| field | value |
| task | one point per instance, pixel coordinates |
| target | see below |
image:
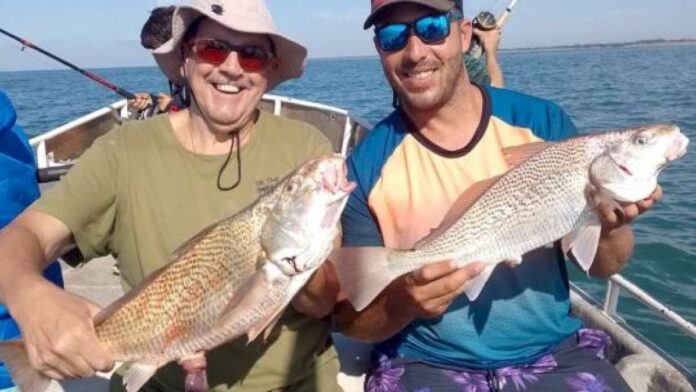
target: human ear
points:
(465, 34)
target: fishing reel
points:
(483, 21)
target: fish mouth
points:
(678, 147)
(334, 178)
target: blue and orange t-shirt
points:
(406, 184)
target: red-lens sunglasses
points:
(213, 51)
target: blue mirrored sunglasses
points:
(430, 29)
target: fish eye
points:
(291, 187)
(643, 138)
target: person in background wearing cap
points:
(147, 186)
(155, 32)
(445, 135)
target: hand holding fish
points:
(428, 291)
(616, 240)
(613, 215)
(59, 335)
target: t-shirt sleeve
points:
(85, 198)
(565, 124)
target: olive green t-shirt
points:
(138, 194)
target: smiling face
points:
(425, 76)
(226, 95)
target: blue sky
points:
(106, 33)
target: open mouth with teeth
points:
(421, 74)
(227, 88)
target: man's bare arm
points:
(56, 326)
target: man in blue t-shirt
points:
(18, 189)
(446, 135)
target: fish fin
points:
(245, 297)
(138, 374)
(266, 325)
(474, 286)
(14, 355)
(582, 244)
(517, 155)
(363, 272)
(459, 208)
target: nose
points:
(415, 49)
(231, 65)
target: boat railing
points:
(43, 160)
(611, 301)
(280, 101)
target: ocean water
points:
(600, 88)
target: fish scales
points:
(530, 206)
(186, 298)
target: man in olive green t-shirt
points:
(146, 187)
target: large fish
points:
(543, 198)
(235, 277)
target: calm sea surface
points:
(600, 89)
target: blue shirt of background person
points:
(18, 189)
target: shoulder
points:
(290, 130)
(381, 140)
(133, 133)
(543, 117)
(366, 160)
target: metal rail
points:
(611, 300)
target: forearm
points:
(318, 297)
(494, 70)
(27, 246)
(378, 322)
(21, 261)
(613, 251)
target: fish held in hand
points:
(234, 278)
(541, 199)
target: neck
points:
(453, 125)
(199, 136)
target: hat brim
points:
(169, 56)
(440, 5)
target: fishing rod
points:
(486, 21)
(91, 75)
(503, 18)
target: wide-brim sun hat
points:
(377, 6)
(247, 16)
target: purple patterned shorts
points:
(578, 364)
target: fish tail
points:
(14, 355)
(363, 273)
